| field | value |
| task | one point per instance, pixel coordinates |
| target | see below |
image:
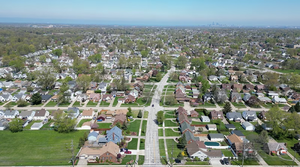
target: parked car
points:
(222, 162)
(127, 152)
(226, 161)
(152, 105)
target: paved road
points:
(152, 155)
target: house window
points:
(107, 153)
(110, 157)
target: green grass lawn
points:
(267, 105)
(207, 105)
(246, 162)
(174, 105)
(64, 105)
(290, 143)
(135, 113)
(170, 123)
(172, 145)
(134, 126)
(287, 71)
(238, 105)
(160, 132)
(144, 128)
(11, 104)
(104, 125)
(227, 153)
(51, 104)
(37, 148)
(47, 125)
(162, 152)
(83, 121)
(146, 113)
(199, 123)
(141, 159)
(38, 105)
(142, 144)
(132, 144)
(275, 160)
(170, 114)
(116, 101)
(91, 104)
(104, 104)
(197, 163)
(127, 158)
(129, 105)
(170, 132)
(76, 104)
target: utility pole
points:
(243, 153)
(71, 149)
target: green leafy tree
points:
(182, 142)
(22, 103)
(83, 81)
(140, 115)
(95, 58)
(158, 77)
(227, 108)
(63, 123)
(264, 136)
(144, 53)
(181, 62)
(118, 124)
(124, 126)
(292, 109)
(8, 77)
(297, 107)
(57, 52)
(36, 99)
(62, 93)
(16, 125)
(179, 157)
(46, 78)
(129, 113)
(160, 117)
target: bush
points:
(97, 91)
(22, 103)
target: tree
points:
(253, 101)
(118, 124)
(62, 93)
(8, 77)
(95, 58)
(182, 142)
(198, 63)
(46, 78)
(43, 58)
(160, 117)
(294, 80)
(271, 78)
(63, 123)
(22, 103)
(57, 52)
(158, 77)
(181, 62)
(140, 115)
(170, 100)
(297, 107)
(227, 108)
(36, 99)
(179, 157)
(124, 126)
(29, 89)
(16, 125)
(83, 81)
(144, 53)
(292, 109)
(276, 116)
(264, 136)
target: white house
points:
(249, 115)
(278, 100)
(273, 94)
(248, 126)
(11, 114)
(36, 126)
(3, 124)
(205, 119)
(27, 114)
(213, 78)
(41, 115)
(92, 137)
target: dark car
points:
(222, 162)
(226, 161)
(127, 152)
(152, 105)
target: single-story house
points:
(216, 136)
(27, 114)
(11, 114)
(249, 115)
(238, 133)
(276, 99)
(216, 115)
(194, 114)
(73, 112)
(230, 126)
(234, 116)
(276, 148)
(41, 114)
(87, 114)
(92, 137)
(233, 138)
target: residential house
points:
(87, 114)
(95, 97)
(235, 97)
(189, 136)
(184, 127)
(92, 137)
(238, 133)
(262, 115)
(56, 112)
(27, 115)
(259, 87)
(234, 78)
(114, 135)
(230, 126)
(130, 99)
(121, 118)
(246, 97)
(134, 93)
(73, 112)
(11, 114)
(248, 87)
(211, 127)
(277, 100)
(194, 114)
(234, 116)
(182, 118)
(55, 98)
(216, 136)
(101, 117)
(102, 86)
(249, 115)
(6, 97)
(3, 124)
(233, 138)
(275, 148)
(272, 94)
(226, 86)
(205, 119)
(198, 149)
(240, 147)
(45, 98)
(237, 87)
(41, 115)
(107, 97)
(207, 97)
(216, 115)
(213, 78)
(181, 110)
(248, 126)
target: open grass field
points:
(36, 148)
(287, 71)
(170, 123)
(132, 144)
(134, 126)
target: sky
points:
(153, 12)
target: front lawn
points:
(207, 105)
(170, 123)
(37, 148)
(116, 101)
(170, 132)
(238, 105)
(76, 104)
(132, 144)
(11, 104)
(246, 162)
(91, 104)
(146, 113)
(51, 104)
(160, 132)
(127, 158)
(227, 153)
(199, 123)
(172, 148)
(82, 122)
(144, 128)
(275, 160)
(170, 114)
(134, 126)
(141, 159)
(142, 144)
(290, 143)
(104, 104)
(197, 163)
